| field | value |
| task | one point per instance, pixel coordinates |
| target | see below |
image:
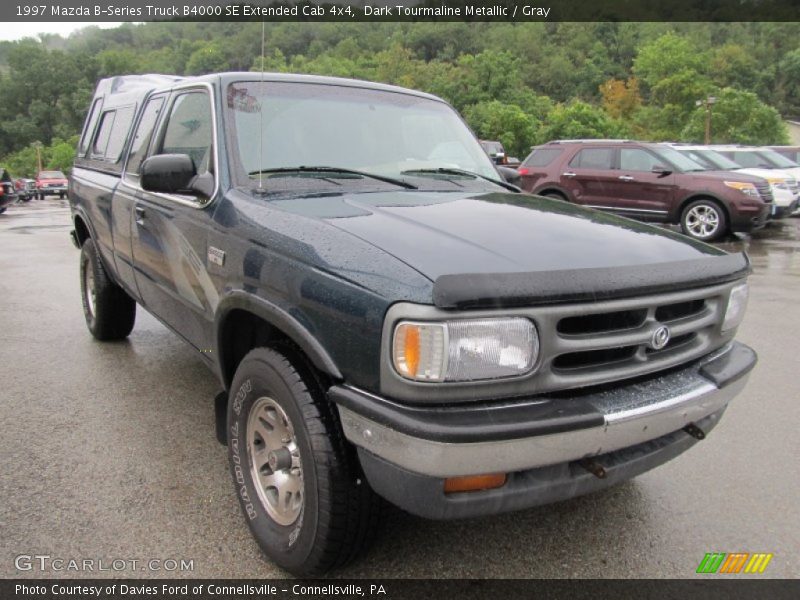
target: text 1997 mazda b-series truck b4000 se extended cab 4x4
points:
(387, 316)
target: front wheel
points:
(110, 313)
(704, 220)
(298, 482)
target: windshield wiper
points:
(454, 171)
(326, 169)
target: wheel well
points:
(716, 201)
(81, 231)
(552, 191)
(242, 331)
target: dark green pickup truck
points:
(387, 316)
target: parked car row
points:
(710, 191)
(47, 183)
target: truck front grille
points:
(595, 343)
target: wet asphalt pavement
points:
(108, 450)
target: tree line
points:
(522, 83)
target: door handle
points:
(140, 215)
(625, 178)
(568, 174)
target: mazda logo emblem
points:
(660, 338)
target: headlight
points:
(464, 350)
(737, 303)
(778, 184)
(748, 189)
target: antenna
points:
(261, 117)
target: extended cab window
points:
(593, 158)
(91, 122)
(111, 134)
(144, 133)
(635, 159)
(103, 133)
(189, 130)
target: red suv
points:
(51, 182)
(650, 182)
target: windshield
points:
(711, 159)
(277, 125)
(778, 160)
(678, 160)
(51, 175)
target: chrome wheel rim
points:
(89, 291)
(702, 221)
(275, 464)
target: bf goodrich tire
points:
(298, 481)
(704, 220)
(110, 313)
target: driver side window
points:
(634, 159)
(189, 130)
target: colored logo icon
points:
(734, 562)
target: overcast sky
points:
(17, 31)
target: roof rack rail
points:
(582, 141)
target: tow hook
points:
(594, 467)
(694, 431)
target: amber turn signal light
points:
(474, 483)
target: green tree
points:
(789, 83)
(579, 120)
(494, 120)
(208, 58)
(738, 117)
(61, 154)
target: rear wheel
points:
(110, 313)
(704, 220)
(298, 481)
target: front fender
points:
(278, 318)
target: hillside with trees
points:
(522, 83)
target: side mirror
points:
(510, 175)
(168, 173)
(661, 170)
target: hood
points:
(442, 235)
(736, 175)
(765, 173)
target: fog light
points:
(474, 483)
(737, 303)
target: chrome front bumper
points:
(631, 414)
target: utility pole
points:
(708, 103)
(38, 146)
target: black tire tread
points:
(115, 310)
(350, 513)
